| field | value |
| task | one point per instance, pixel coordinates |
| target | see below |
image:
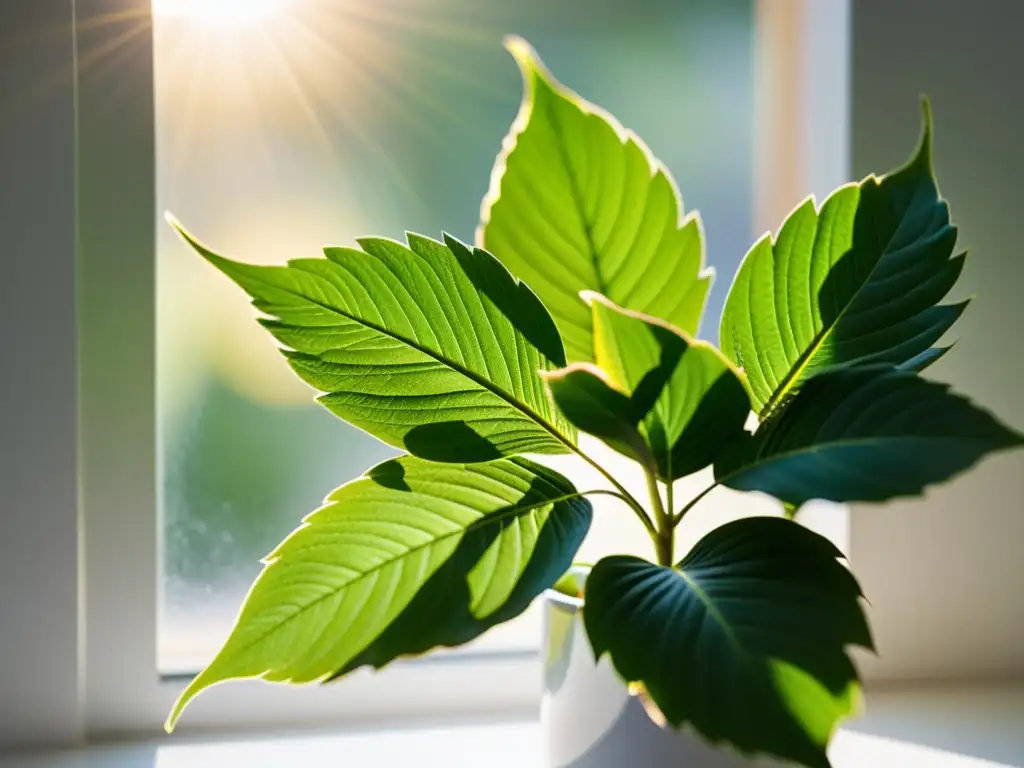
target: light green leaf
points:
(745, 639)
(447, 611)
(357, 563)
(864, 434)
(578, 203)
(571, 582)
(855, 282)
(588, 400)
(691, 400)
(434, 347)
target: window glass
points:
(286, 125)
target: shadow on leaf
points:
(515, 300)
(449, 441)
(440, 614)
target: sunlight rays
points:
(217, 13)
(315, 69)
(335, 97)
(94, 47)
(272, 112)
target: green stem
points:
(663, 537)
(602, 492)
(623, 494)
(692, 503)
(663, 543)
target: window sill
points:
(932, 728)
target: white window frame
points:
(118, 690)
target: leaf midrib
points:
(709, 605)
(577, 197)
(474, 377)
(485, 519)
(792, 376)
(712, 609)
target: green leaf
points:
(691, 400)
(745, 639)
(357, 563)
(864, 434)
(588, 400)
(571, 582)
(578, 203)
(445, 612)
(855, 282)
(434, 347)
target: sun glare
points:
(217, 13)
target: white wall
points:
(945, 575)
(39, 671)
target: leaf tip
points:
(183, 233)
(959, 307)
(926, 113)
(179, 706)
(530, 66)
(524, 53)
(923, 155)
(194, 243)
(590, 298)
(199, 683)
(453, 243)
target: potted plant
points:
(576, 311)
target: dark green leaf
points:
(745, 640)
(864, 434)
(384, 542)
(434, 347)
(857, 282)
(691, 400)
(577, 202)
(587, 399)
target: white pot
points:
(590, 720)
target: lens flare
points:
(217, 13)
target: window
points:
(283, 126)
(412, 127)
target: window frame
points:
(122, 693)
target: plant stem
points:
(663, 537)
(625, 495)
(601, 492)
(663, 543)
(660, 516)
(692, 503)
